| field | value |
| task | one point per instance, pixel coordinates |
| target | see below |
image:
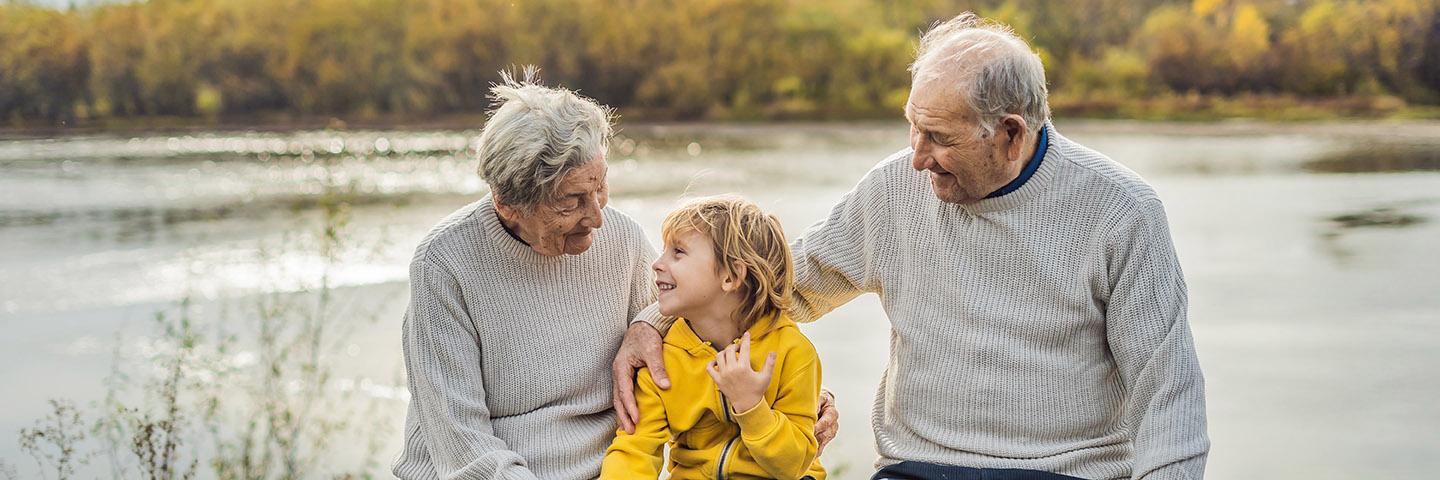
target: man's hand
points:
(828, 423)
(641, 348)
(736, 378)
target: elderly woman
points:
(519, 302)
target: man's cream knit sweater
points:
(1043, 329)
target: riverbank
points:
(1172, 108)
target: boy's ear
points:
(734, 277)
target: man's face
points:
(964, 163)
(564, 223)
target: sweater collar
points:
(1040, 146)
(684, 337)
(1039, 173)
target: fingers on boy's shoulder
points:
(643, 379)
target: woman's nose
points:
(594, 215)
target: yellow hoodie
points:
(708, 439)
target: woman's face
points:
(564, 224)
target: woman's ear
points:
(734, 277)
(507, 213)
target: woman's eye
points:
(571, 208)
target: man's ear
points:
(1014, 131)
(734, 277)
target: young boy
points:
(726, 271)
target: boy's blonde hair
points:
(741, 233)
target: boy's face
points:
(688, 275)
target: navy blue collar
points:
(1030, 167)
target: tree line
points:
(680, 59)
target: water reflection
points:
(1386, 217)
(1289, 235)
(1370, 158)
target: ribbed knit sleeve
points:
(642, 282)
(835, 258)
(1149, 336)
(442, 362)
(640, 454)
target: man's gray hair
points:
(535, 135)
(996, 71)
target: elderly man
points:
(519, 302)
(1037, 307)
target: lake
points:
(1309, 250)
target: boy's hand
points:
(731, 370)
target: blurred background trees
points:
(691, 59)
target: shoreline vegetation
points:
(166, 64)
(235, 388)
(1177, 109)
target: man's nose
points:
(921, 159)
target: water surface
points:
(1308, 250)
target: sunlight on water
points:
(1307, 250)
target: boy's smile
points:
(688, 276)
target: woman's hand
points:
(641, 348)
(731, 370)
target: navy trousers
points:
(931, 471)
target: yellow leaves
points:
(743, 58)
(1207, 7)
(1249, 38)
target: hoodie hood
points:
(684, 337)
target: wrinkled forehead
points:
(936, 98)
(582, 179)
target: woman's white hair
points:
(996, 72)
(535, 135)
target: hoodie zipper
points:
(725, 452)
(725, 406)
